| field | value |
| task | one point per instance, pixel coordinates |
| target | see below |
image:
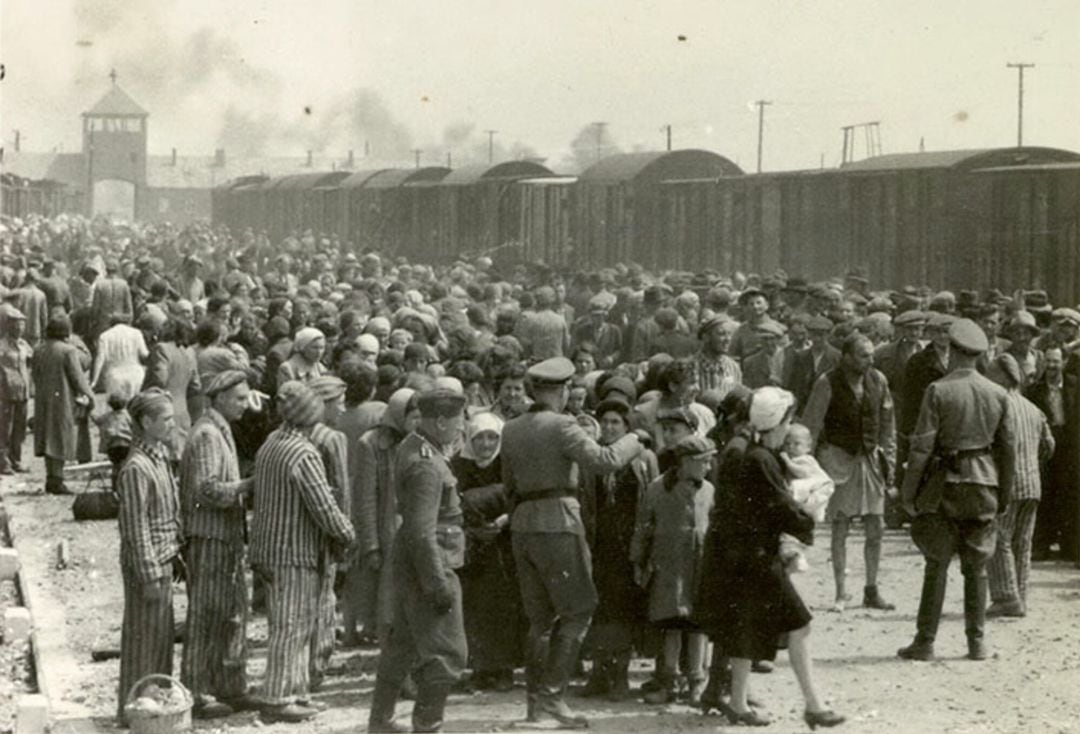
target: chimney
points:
(309, 159)
(174, 157)
(18, 141)
(352, 160)
(219, 158)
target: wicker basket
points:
(173, 722)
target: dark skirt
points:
(758, 607)
(495, 624)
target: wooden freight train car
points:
(940, 219)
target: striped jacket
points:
(1034, 446)
(334, 450)
(295, 516)
(210, 484)
(150, 527)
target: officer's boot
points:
(619, 676)
(935, 578)
(562, 656)
(383, 701)
(430, 705)
(534, 671)
(975, 593)
(599, 678)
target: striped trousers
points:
(292, 612)
(215, 645)
(322, 641)
(147, 634)
(1011, 563)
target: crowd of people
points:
(485, 466)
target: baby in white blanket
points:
(810, 486)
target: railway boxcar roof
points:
(660, 166)
(394, 177)
(507, 169)
(310, 180)
(965, 160)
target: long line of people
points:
(647, 439)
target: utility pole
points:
(416, 155)
(667, 129)
(599, 137)
(1020, 66)
(761, 105)
(491, 145)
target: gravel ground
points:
(1029, 685)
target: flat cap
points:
(965, 335)
(678, 415)
(938, 320)
(1066, 314)
(820, 323)
(619, 384)
(749, 293)
(695, 446)
(554, 371)
(712, 322)
(440, 402)
(911, 318)
(769, 328)
(796, 285)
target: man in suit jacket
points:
(111, 296)
(892, 358)
(924, 367)
(812, 363)
(1055, 394)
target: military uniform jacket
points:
(431, 540)
(543, 452)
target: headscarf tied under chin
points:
(397, 407)
(480, 423)
(305, 337)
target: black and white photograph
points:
(633, 366)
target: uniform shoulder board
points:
(425, 451)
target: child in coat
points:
(667, 551)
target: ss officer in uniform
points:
(960, 473)
(428, 635)
(543, 453)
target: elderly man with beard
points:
(850, 415)
(213, 498)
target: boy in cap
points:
(960, 477)
(543, 451)
(667, 553)
(428, 635)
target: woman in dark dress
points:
(609, 506)
(491, 602)
(755, 601)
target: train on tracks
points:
(977, 219)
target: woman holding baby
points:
(758, 603)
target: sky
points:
(262, 77)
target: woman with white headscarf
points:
(761, 604)
(305, 362)
(492, 604)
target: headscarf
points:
(768, 407)
(305, 337)
(224, 380)
(396, 408)
(480, 423)
(368, 342)
(147, 402)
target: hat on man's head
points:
(712, 322)
(911, 318)
(678, 415)
(554, 371)
(1066, 315)
(769, 327)
(819, 323)
(940, 320)
(749, 293)
(620, 384)
(441, 402)
(1036, 301)
(1023, 320)
(298, 404)
(965, 335)
(695, 447)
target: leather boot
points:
(872, 599)
(935, 579)
(599, 679)
(619, 676)
(430, 706)
(976, 587)
(383, 702)
(562, 657)
(534, 669)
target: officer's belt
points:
(544, 494)
(950, 460)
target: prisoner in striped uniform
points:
(212, 493)
(1011, 563)
(296, 524)
(333, 450)
(150, 531)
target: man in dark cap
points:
(755, 308)
(543, 452)
(932, 363)
(428, 635)
(594, 328)
(213, 496)
(892, 357)
(961, 470)
(766, 365)
(807, 366)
